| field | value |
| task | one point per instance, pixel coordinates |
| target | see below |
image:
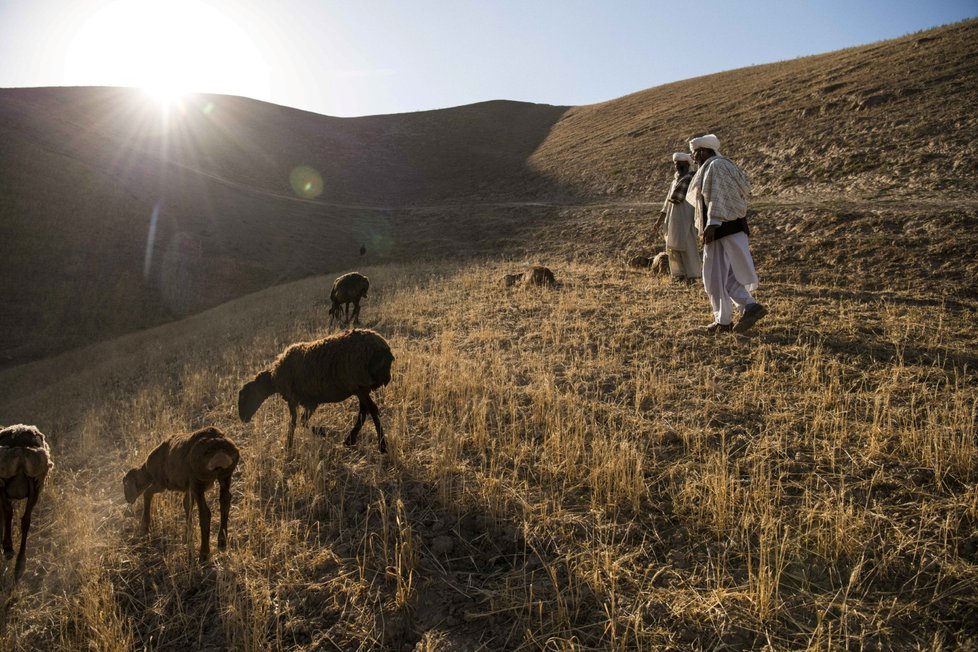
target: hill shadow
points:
(107, 204)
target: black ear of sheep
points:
(253, 394)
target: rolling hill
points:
(117, 215)
(569, 468)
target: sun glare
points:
(168, 48)
(165, 94)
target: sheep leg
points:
(25, 526)
(188, 517)
(204, 515)
(356, 311)
(351, 439)
(147, 508)
(375, 416)
(7, 513)
(307, 413)
(292, 416)
(319, 431)
(222, 533)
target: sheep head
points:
(135, 483)
(379, 367)
(253, 394)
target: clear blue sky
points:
(362, 57)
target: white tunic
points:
(679, 225)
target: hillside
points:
(887, 120)
(83, 171)
(575, 468)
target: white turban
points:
(708, 141)
(681, 156)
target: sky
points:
(368, 57)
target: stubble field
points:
(569, 468)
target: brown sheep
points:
(347, 289)
(25, 460)
(539, 275)
(512, 279)
(535, 275)
(189, 463)
(330, 370)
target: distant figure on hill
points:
(363, 249)
(718, 193)
(681, 240)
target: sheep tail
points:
(219, 460)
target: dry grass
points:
(569, 469)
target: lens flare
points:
(151, 240)
(306, 182)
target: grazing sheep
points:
(512, 279)
(189, 463)
(330, 370)
(347, 289)
(660, 264)
(535, 275)
(25, 460)
(539, 275)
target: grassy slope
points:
(572, 468)
(565, 467)
(882, 120)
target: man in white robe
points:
(681, 239)
(718, 194)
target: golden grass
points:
(568, 469)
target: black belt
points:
(725, 228)
(731, 227)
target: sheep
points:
(189, 463)
(535, 275)
(347, 289)
(329, 370)
(660, 264)
(25, 461)
(512, 279)
(539, 275)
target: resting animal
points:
(189, 463)
(347, 289)
(534, 275)
(539, 275)
(25, 460)
(330, 370)
(660, 264)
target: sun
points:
(165, 93)
(168, 48)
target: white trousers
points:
(728, 276)
(684, 263)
